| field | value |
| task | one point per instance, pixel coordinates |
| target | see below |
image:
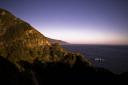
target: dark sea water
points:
(113, 58)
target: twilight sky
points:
(75, 21)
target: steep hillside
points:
(19, 41)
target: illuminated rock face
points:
(19, 40)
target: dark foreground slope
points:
(28, 58)
(39, 73)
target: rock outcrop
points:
(19, 41)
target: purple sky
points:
(75, 21)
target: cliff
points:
(19, 41)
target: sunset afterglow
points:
(75, 21)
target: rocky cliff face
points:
(19, 41)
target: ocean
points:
(111, 57)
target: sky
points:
(75, 21)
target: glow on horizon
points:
(75, 21)
(91, 36)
